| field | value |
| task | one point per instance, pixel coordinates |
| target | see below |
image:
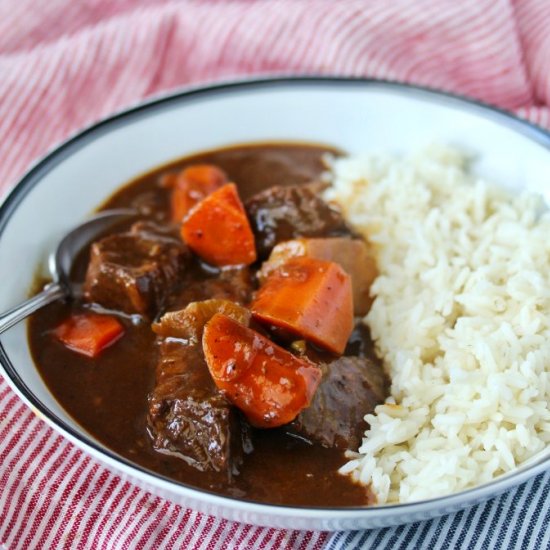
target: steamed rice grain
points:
(461, 319)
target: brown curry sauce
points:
(107, 396)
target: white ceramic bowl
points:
(355, 115)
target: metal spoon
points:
(61, 262)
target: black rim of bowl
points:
(149, 107)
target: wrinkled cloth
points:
(65, 65)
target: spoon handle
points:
(51, 292)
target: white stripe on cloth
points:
(31, 496)
(117, 509)
(65, 64)
(60, 504)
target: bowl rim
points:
(188, 94)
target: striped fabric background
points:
(66, 64)
(517, 519)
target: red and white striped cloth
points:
(64, 65)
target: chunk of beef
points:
(355, 257)
(188, 417)
(283, 213)
(188, 323)
(351, 387)
(134, 271)
(234, 284)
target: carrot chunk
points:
(309, 298)
(89, 333)
(354, 256)
(192, 185)
(269, 384)
(218, 231)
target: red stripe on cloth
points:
(108, 492)
(250, 540)
(68, 536)
(185, 520)
(214, 540)
(533, 17)
(145, 509)
(16, 447)
(25, 507)
(46, 504)
(201, 533)
(111, 517)
(224, 542)
(277, 543)
(10, 419)
(164, 527)
(17, 497)
(536, 115)
(74, 532)
(158, 529)
(267, 536)
(111, 537)
(5, 392)
(185, 543)
(149, 527)
(26, 454)
(61, 504)
(240, 535)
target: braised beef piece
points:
(283, 213)
(234, 284)
(188, 417)
(351, 387)
(134, 271)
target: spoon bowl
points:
(61, 263)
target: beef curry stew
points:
(184, 356)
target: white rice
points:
(461, 319)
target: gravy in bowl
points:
(132, 398)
